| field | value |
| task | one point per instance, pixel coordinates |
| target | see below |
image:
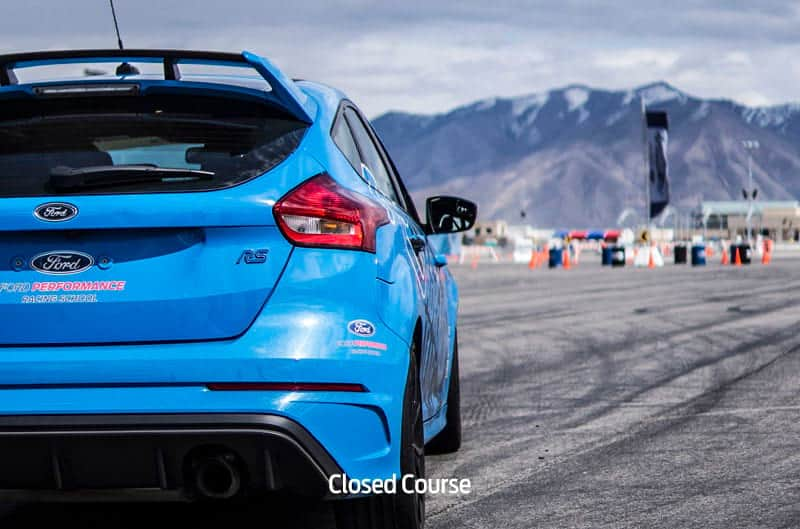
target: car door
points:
(379, 171)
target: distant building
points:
(516, 232)
(778, 220)
(491, 232)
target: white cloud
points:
(636, 58)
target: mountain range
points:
(573, 156)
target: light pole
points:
(750, 191)
(646, 148)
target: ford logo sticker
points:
(361, 328)
(55, 212)
(62, 263)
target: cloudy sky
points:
(430, 56)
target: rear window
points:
(105, 144)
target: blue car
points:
(214, 285)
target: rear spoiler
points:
(283, 90)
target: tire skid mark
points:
(588, 457)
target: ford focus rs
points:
(214, 285)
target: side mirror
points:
(450, 214)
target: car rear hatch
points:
(139, 217)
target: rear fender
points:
(400, 303)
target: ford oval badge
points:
(55, 212)
(62, 263)
(361, 328)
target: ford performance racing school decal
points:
(60, 291)
(362, 329)
(59, 263)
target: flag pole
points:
(646, 164)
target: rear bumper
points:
(149, 457)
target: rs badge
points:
(253, 256)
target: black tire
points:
(395, 511)
(449, 440)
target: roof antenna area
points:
(124, 68)
(116, 24)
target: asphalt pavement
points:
(596, 398)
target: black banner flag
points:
(657, 140)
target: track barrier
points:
(723, 252)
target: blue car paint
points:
(299, 332)
(296, 337)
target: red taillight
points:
(286, 386)
(321, 213)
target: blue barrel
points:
(556, 257)
(699, 255)
(608, 252)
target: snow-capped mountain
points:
(573, 157)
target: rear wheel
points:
(449, 439)
(395, 511)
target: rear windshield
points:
(224, 141)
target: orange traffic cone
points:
(725, 259)
(650, 261)
(566, 259)
(534, 262)
(766, 257)
(738, 258)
